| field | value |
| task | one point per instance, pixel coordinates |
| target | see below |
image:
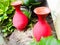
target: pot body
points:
(20, 21)
(41, 29)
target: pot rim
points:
(42, 10)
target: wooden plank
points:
(55, 13)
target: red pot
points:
(20, 20)
(41, 28)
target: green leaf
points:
(27, 2)
(37, 3)
(42, 42)
(13, 0)
(4, 30)
(0, 18)
(47, 41)
(58, 42)
(33, 43)
(5, 16)
(1, 6)
(1, 11)
(5, 5)
(9, 11)
(27, 13)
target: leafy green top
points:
(47, 41)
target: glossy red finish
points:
(20, 20)
(41, 28)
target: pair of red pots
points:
(41, 28)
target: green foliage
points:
(29, 2)
(46, 41)
(6, 14)
(27, 13)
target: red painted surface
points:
(41, 28)
(20, 20)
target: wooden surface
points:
(54, 5)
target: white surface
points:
(54, 5)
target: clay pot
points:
(41, 28)
(20, 20)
